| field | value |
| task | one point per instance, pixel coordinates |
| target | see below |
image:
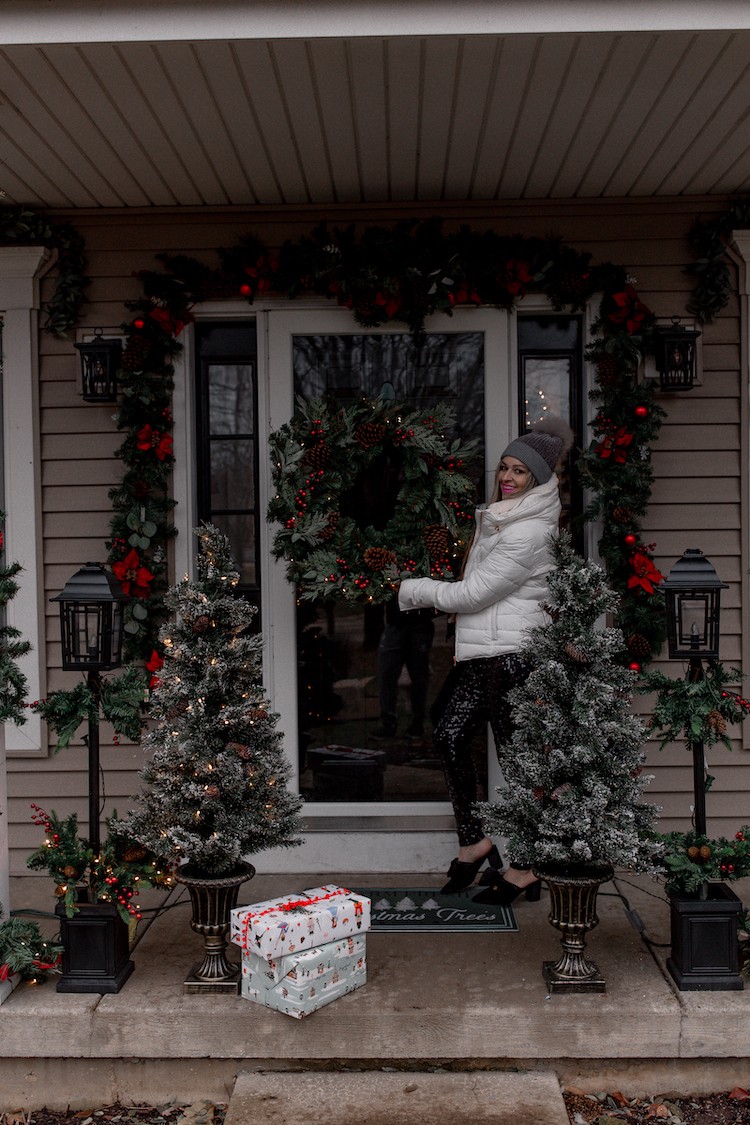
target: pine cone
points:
(576, 653)
(202, 624)
(607, 371)
(134, 854)
(369, 434)
(378, 558)
(317, 456)
(135, 353)
(705, 852)
(638, 645)
(438, 540)
(258, 714)
(329, 530)
(717, 722)
(212, 792)
(574, 286)
(178, 710)
(240, 749)
(693, 852)
(551, 612)
(70, 872)
(622, 514)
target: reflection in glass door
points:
(367, 677)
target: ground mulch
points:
(199, 1113)
(730, 1108)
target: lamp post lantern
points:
(692, 597)
(100, 361)
(91, 619)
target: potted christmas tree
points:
(572, 805)
(216, 780)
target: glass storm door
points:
(357, 684)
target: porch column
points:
(741, 245)
(20, 268)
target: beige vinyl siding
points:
(700, 460)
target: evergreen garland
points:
(695, 710)
(23, 950)
(12, 679)
(116, 875)
(574, 785)
(215, 782)
(20, 227)
(122, 704)
(366, 494)
(691, 860)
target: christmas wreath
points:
(368, 493)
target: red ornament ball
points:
(246, 290)
(631, 539)
(634, 666)
(641, 412)
(139, 323)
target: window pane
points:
(367, 677)
(232, 474)
(545, 388)
(230, 398)
(240, 529)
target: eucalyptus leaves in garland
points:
(368, 493)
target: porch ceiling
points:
(373, 118)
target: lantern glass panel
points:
(692, 619)
(91, 635)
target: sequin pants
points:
(474, 694)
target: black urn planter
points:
(705, 947)
(96, 951)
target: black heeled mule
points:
(500, 892)
(461, 874)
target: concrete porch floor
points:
(434, 1005)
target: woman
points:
(496, 601)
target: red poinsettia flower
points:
(149, 438)
(629, 309)
(168, 321)
(645, 575)
(154, 664)
(135, 578)
(615, 445)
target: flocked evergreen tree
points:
(12, 679)
(216, 782)
(573, 775)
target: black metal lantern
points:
(100, 362)
(91, 619)
(675, 355)
(692, 594)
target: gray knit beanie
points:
(541, 449)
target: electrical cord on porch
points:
(635, 919)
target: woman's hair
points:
(531, 481)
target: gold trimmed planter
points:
(573, 893)
(212, 899)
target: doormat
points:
(410, 909)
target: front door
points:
(364, 679)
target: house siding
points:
(700, 459)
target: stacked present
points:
(300, 952)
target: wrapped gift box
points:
(293, 923)
(300, 983)
(7, 984)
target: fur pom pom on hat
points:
(542, 448)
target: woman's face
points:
(513, 477)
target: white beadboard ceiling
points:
(374, 118)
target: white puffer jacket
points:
(504, 581)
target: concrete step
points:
(379, 1098)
